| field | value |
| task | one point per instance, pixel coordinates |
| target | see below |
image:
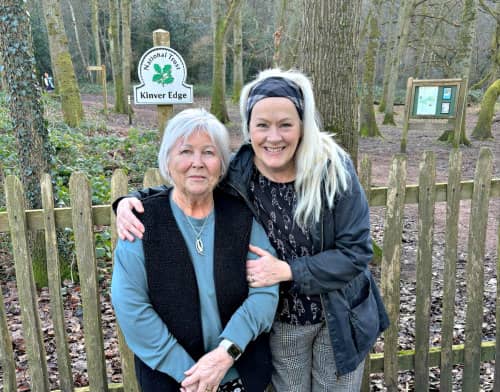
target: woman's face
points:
(195, 165)
(275, 131)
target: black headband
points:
(275, 86)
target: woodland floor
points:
(422, 137)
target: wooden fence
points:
(82, 217)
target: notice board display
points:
(434, 101)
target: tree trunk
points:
(368, 124)
(95, 32)
(62, 65)
(400, 46)
(332, 65)
(494, 72)
(222, 20)
(26, 111)
(463, 60)
(291, 33)
(389, 48)
(422, 44)
(279, 33)
(85, 62)
(126, 15)
(237, 57)
(115, 52)
(482, 131)
(26, 108)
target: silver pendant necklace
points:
(198, 242)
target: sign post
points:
(102, 70)
(162, 74)
(434, 99)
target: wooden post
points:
(32, 330)
(165, 112)
(406, 118)
(475, 270)
(391, 259)
(460, 111)
(81, 213)
(119, 185)
(496, 386)
(6, 354)
(104, 88)
(450, 269)
(129, 109)
(102, 70)
(54, 275)
(426, 202)
(152, 177)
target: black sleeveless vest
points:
(174, 292)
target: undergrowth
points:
(90, 149)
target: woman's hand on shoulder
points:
(267, 270)
(127, 224)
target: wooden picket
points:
(450, 268)
(475, 270)
(54, 277)
(26, 285)
(6, 353)
(119, 187)
(393, 228)
(496, 385)
(82, 217)
(426, 200)
(83, 230)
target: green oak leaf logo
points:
(163, 76)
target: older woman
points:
(181, 295)
(303, 189)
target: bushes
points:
(91, 149)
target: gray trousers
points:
(303, 361)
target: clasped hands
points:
(206, 374)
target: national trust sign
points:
(162, 73)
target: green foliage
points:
(89, 149)
(98, 155)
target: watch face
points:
(234, 351)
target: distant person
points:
(48, 82)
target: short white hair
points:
(183, 125)
(321, 164)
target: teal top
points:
(146, 334)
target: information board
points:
(434, 101)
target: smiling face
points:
(275, 131)
(195, 166)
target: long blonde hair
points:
(321, 164)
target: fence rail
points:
(82, 217)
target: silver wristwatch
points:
(232, 349)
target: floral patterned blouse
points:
(275, 204)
